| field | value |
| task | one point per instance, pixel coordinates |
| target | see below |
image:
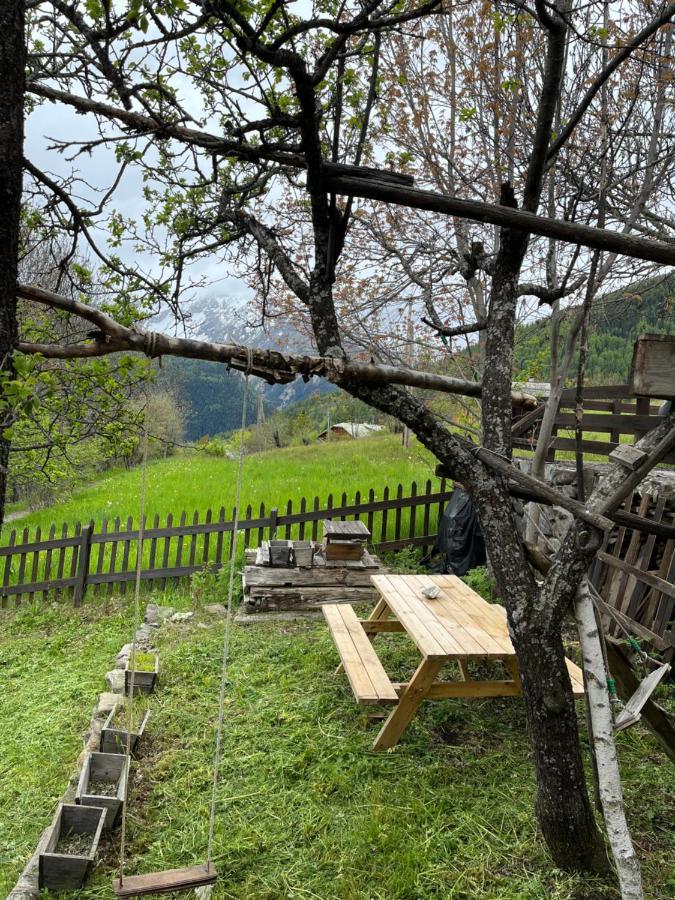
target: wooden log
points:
(505, 216)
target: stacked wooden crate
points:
(344, 540)
(341, 572)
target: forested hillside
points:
(616, 321)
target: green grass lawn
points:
(193, 481)
(305, 809)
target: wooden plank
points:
(447, 690)
(62, 553)
(397, 514)
(193, 538)
(358, 657)
(369, 659)
(413, 510)
(36, 562)
(414, 693)
(652, 371)
(649, 578)
(163, 882)
(345, 531)
(476, 641)
(8, 566)
(166, 552)
(653, 715)
(48, 559)
(385, 500)
(126, 550)
(82, 566)
(303, 511)
(488, 616)
(101, 555)
(431, 639)
(153, 548)
(113, 555)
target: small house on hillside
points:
(343, 431)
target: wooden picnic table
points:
(456, 626)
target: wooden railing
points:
(104, 558)
(609, 409)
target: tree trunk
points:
(563, 808)
(562, 804)
(12, 67)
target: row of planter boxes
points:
(77, 828)
(99, 799)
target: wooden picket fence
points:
(69, 562)
(609, 409)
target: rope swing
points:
(205, 874)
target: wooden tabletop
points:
(458, 624)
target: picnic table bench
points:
(457, 625)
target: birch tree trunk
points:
(609, 778)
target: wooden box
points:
(280, 553)
(346, 550)
(652, 371)
(82, 825)
(144, 682)
(111, 769)
(303, 554)
(114, 740)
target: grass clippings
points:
(305, 809)
(74, 843)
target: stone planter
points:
(144, 681)
(71, 847)
(303, 554)
(114, 739)
(103, 783)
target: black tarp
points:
(459, 544)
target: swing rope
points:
(130, 700)
(226, 649)
(228, 620)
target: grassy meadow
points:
(305, 809)
(193, 481)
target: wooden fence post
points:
(82, 566)
(273, 522)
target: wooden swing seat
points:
(162, 882)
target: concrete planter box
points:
(112, 769)
(114, 738)
(144, 682)
(62, 870)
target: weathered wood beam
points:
(570, 232)
(618, 516)
(270, 365)
(509, 471)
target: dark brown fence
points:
(104, 559)
(609, 409)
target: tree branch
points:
(623, 54)
(570, 232)
(270, 365)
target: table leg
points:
(415, 691)
(380, 611)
